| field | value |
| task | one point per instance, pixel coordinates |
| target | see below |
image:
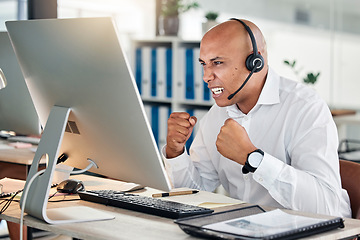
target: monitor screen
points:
(17, 111)
(79, 64)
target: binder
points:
(161, 68)
(189, 74)
(248, 223)
(147, 108)
(207, 92)
(154, 73)
(181, 72)
(155, 122)
(164, 113)
(191, 138)
(169, 72)
(145, 71)
(138, 67)
(198, 76)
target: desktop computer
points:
(86, 97)
(17, 111)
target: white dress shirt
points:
(300, 168)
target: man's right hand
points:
(180, 127)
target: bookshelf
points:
(169, 78)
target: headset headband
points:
(253, 42)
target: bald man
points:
(273, 143)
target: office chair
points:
(350, 178)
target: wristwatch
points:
(253, 161)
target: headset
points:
(254, 62)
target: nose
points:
(208, 74)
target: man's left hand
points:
(233, 142)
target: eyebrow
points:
(211, 60)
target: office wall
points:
(325, 39)
(8, 11)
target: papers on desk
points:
(203, 199)
(10, 186)
(12, 145)
(5, 146)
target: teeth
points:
(217, 90)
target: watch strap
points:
(247, 167)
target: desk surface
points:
(22, 156)
(134, 225)
(16, 162)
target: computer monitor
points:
(81, 82)
(17, 111)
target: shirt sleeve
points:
(311, 182)
(196, 172)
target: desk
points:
(342, 121)
(15, 162)
(134, 225)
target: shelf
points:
(169, 78)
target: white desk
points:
(134, 225)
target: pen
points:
(174, 193)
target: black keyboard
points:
(143, 204)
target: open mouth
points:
(217, 90)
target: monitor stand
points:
(37, 187)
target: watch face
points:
(255, 159)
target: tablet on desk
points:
(254, 223)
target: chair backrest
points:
(350, 178)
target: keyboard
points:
(154, 206)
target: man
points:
(279, 129)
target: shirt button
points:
(260, 179)
(246, 177)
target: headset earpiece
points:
(252, 60)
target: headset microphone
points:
(254, 62)
(246, 80)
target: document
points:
(10, 186)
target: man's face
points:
(224, 68)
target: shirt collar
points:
(270, 92)
(269, 95)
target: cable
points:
(53, 195)
(25, 193)
(8, 202)
(65, 200)
(26, 190)
(91, 164)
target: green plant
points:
(310, 77)
(176, 7)
(211, 16)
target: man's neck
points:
(251, 100)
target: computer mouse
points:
(70, 186)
